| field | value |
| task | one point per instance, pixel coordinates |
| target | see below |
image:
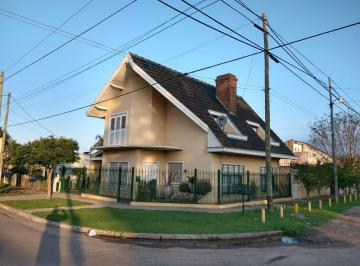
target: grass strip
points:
(183, 222)
(43, 203)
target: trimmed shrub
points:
(203, 187)
(185, 187)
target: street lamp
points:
(340, 100)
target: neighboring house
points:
(307, 154)
(166, 120)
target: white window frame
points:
(125, 130)
(182, 170)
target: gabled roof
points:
(199, 97)
(195, 98)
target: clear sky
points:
(336, 54)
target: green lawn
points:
(43, 203)
(182, 222)
(15, 193)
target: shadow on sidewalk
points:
(50, 249)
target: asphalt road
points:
(27, 243)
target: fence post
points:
(83, 183)
(132, 183)
(119, 184)
(218, 187)
(248, 184)
(98, 182)
(195, 186)
(62, 179)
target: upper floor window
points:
(118, 129)
(227, 125)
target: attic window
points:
(227, 125)
(261, 132)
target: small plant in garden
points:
(203, 187)
(146, 190)
(185, 187)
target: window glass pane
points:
(112, 123)
(175, 170)
(123, 121)
(117, 126)
(232, 178)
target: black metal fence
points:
(187, 186)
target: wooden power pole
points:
(336, 186)
(4, 135)
(1, 90)
(269, 187)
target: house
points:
(157, 118)
(306, 153)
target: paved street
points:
(28, 243)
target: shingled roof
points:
(200, 97)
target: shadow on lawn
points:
(50, 248)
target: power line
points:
(136, 41)
(48, 36)
(136, 90)
(31, 117)
(201, 69)
(67, 42)
(297, 60)
(49, 28)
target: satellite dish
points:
(222, 120)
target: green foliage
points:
(37, 173)
(203, 187)
(185, 187)
(146, 190)
(313, 177)
(16, 157)
(51, 151)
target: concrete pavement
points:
(26, 243)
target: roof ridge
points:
(171, 69)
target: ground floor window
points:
(263, 181)
(174, 172)
(150, 170)
(113, 174)
(232, 176)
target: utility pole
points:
(336, 186)
(4, 135)
(267, 118)
(1, 89)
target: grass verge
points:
(43, 203)
(183, 222)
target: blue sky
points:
(336, 54)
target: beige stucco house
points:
(158, 118)
(306, 153)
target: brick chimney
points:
(226, 91)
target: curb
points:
(246, 237)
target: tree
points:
(308, 176)
(347, 135)
(99, 141)
(50, 151)
(15, 157)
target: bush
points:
(203, 187)
(185, 188)
(146, 190)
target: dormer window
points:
(261, 132)
(227, 125)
